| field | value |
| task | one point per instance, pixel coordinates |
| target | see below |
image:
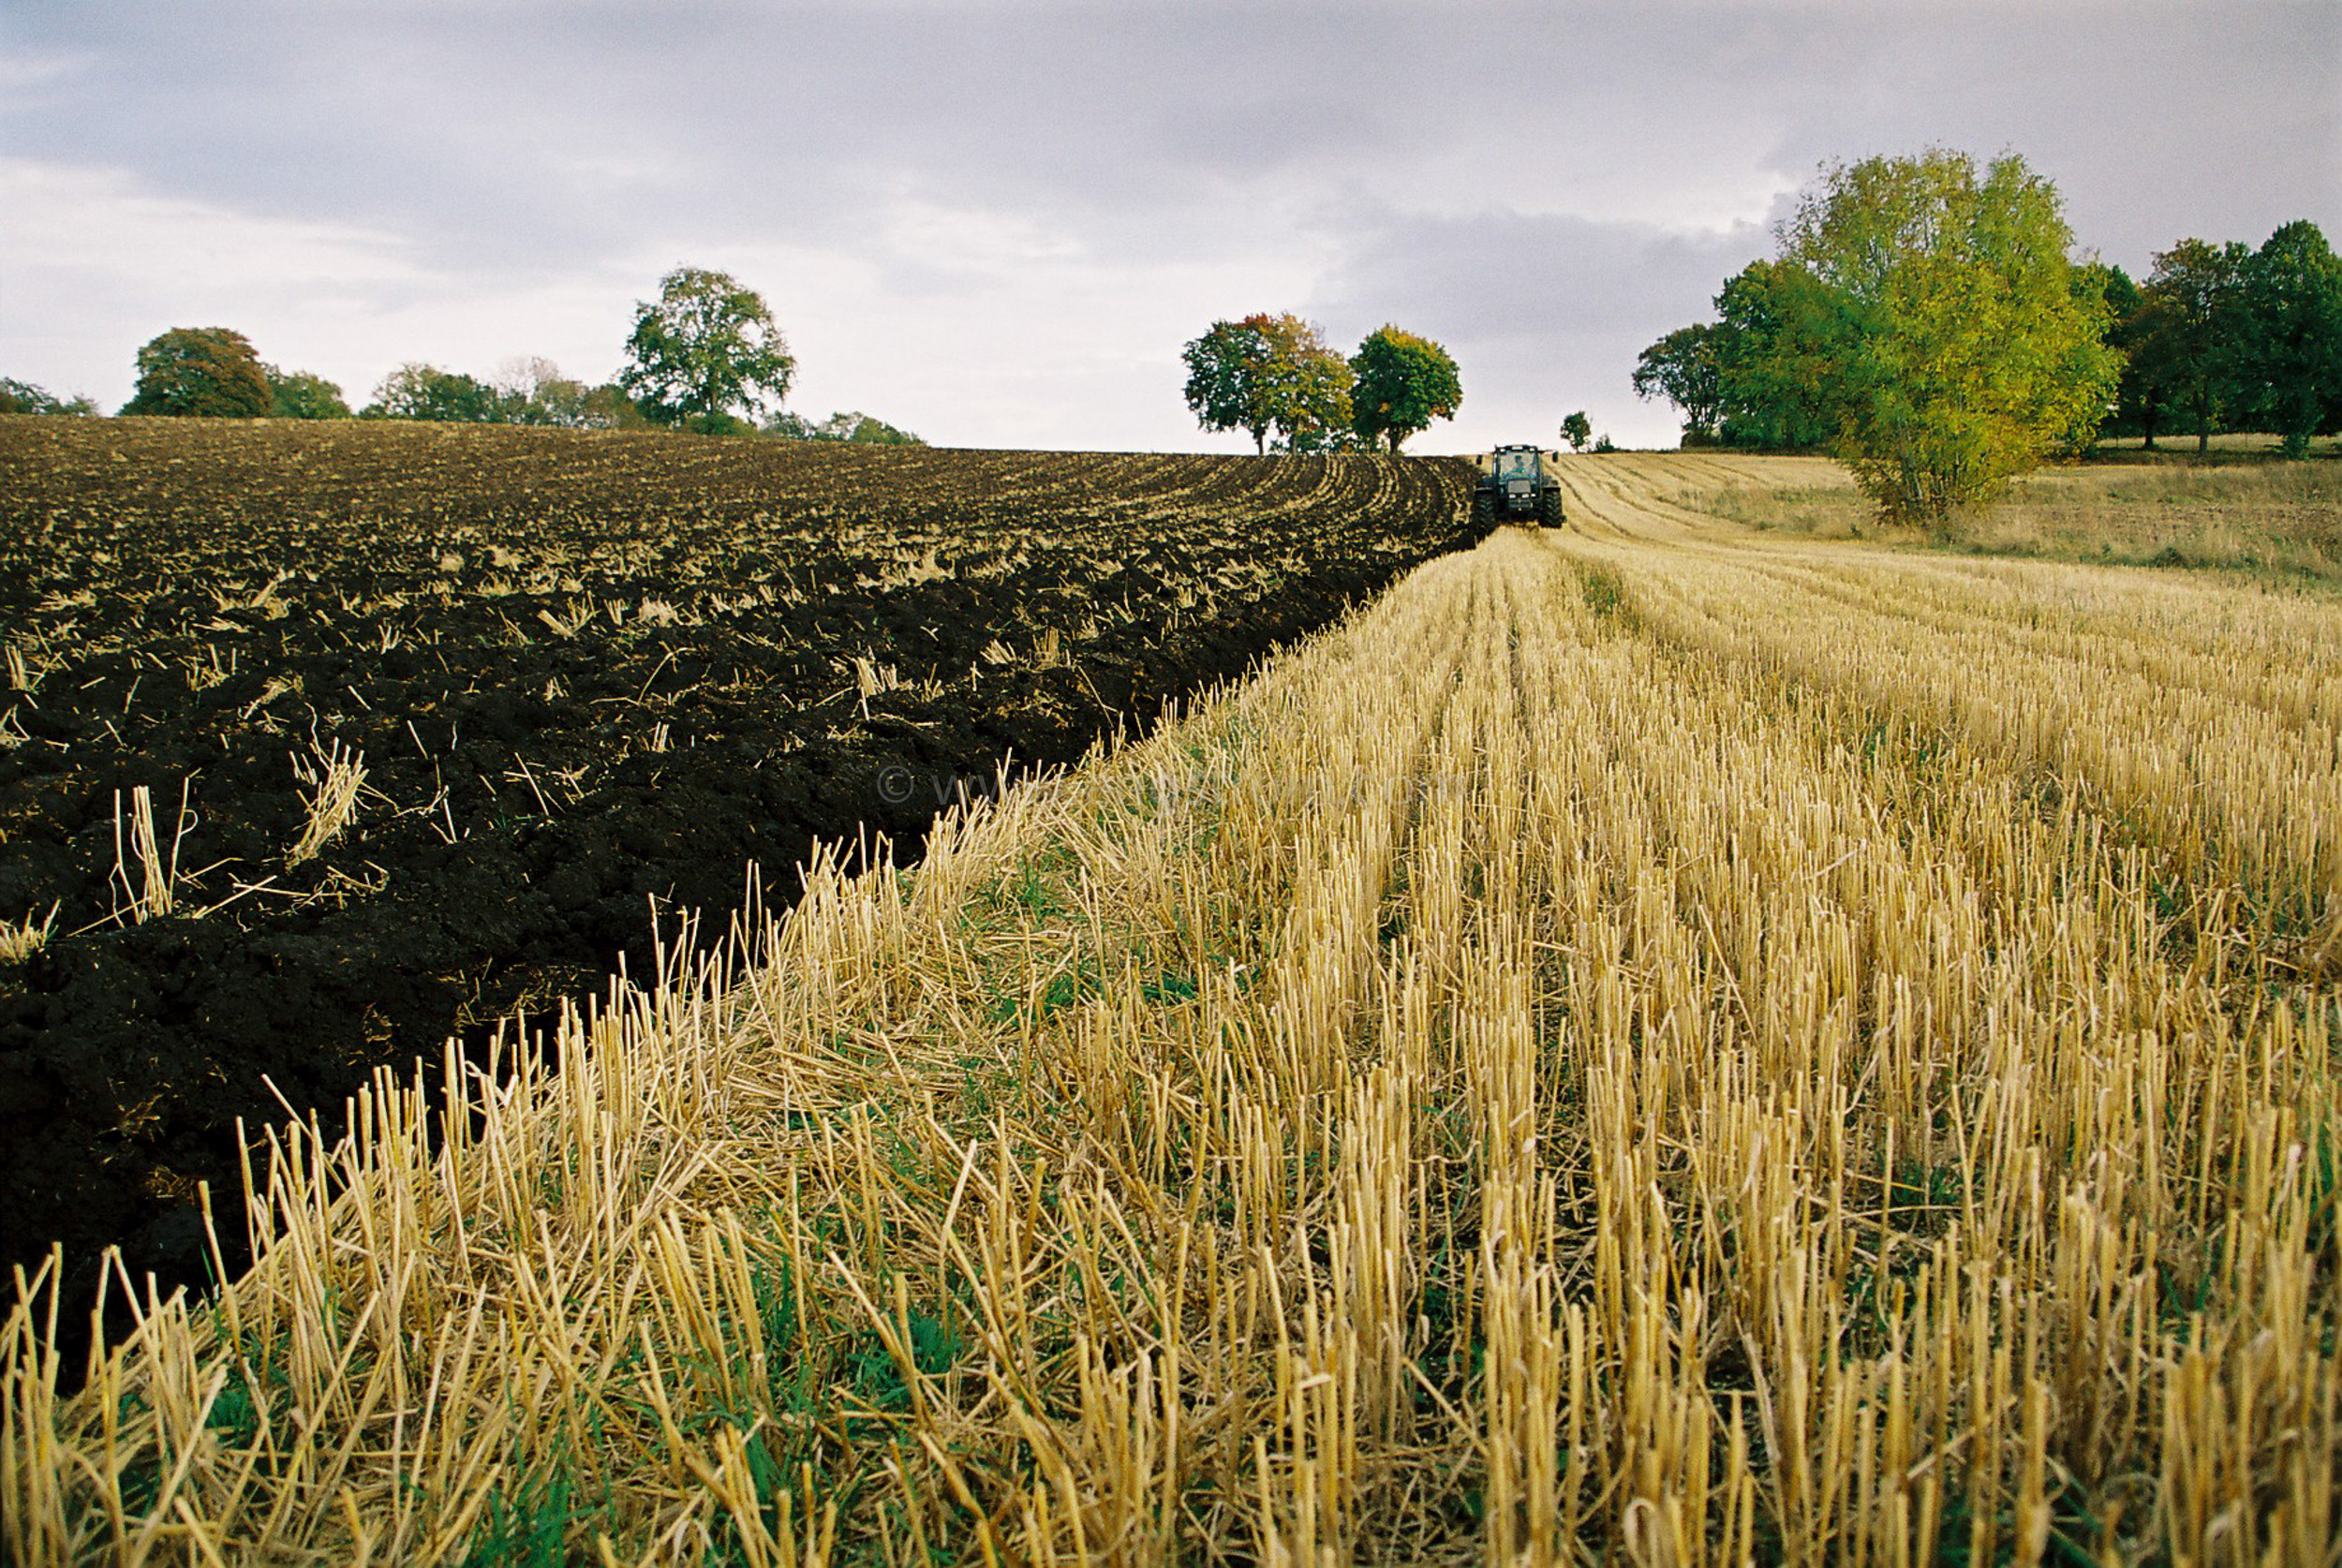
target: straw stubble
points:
(1637, 1045)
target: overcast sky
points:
(996, 222)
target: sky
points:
(997, 222)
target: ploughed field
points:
(1653, 1043)
(319, 743)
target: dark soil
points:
(593, 680)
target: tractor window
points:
(1516, 464)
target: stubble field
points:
(1653, 1043)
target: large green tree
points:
(1404, 382)
(1269, 372)
(1969, 355)
(1226, 379)
(1780, 338)
(1686, 368)
(2188, 344)
(706, 353)
(2291, 353)
(202, 371)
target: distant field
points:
(1653, 1043)
(2244, 512)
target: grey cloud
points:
(464, 122)
(471, 123)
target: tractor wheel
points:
(1483, 510)
(1550, 504)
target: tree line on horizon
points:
(706, 356)
(1924, 321)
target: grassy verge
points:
(2243, 510)
(2269, 517)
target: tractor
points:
(1517, 486)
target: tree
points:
(1972, 357)
(707, 347)
(1578, 430)
(425, 391)
(2189, 343)
(608, 408)
(1268, 373)
(1778, 343)
(1404, 382)
(202, 371)
(531, 390)
(1227, 371)
(1314, 386)
(23, 397)
(297, 395)
(1683, 368)
(2291, 352)
(2139, 407)
(872, 431)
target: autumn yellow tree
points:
(1268, 373)
(1964, 354)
